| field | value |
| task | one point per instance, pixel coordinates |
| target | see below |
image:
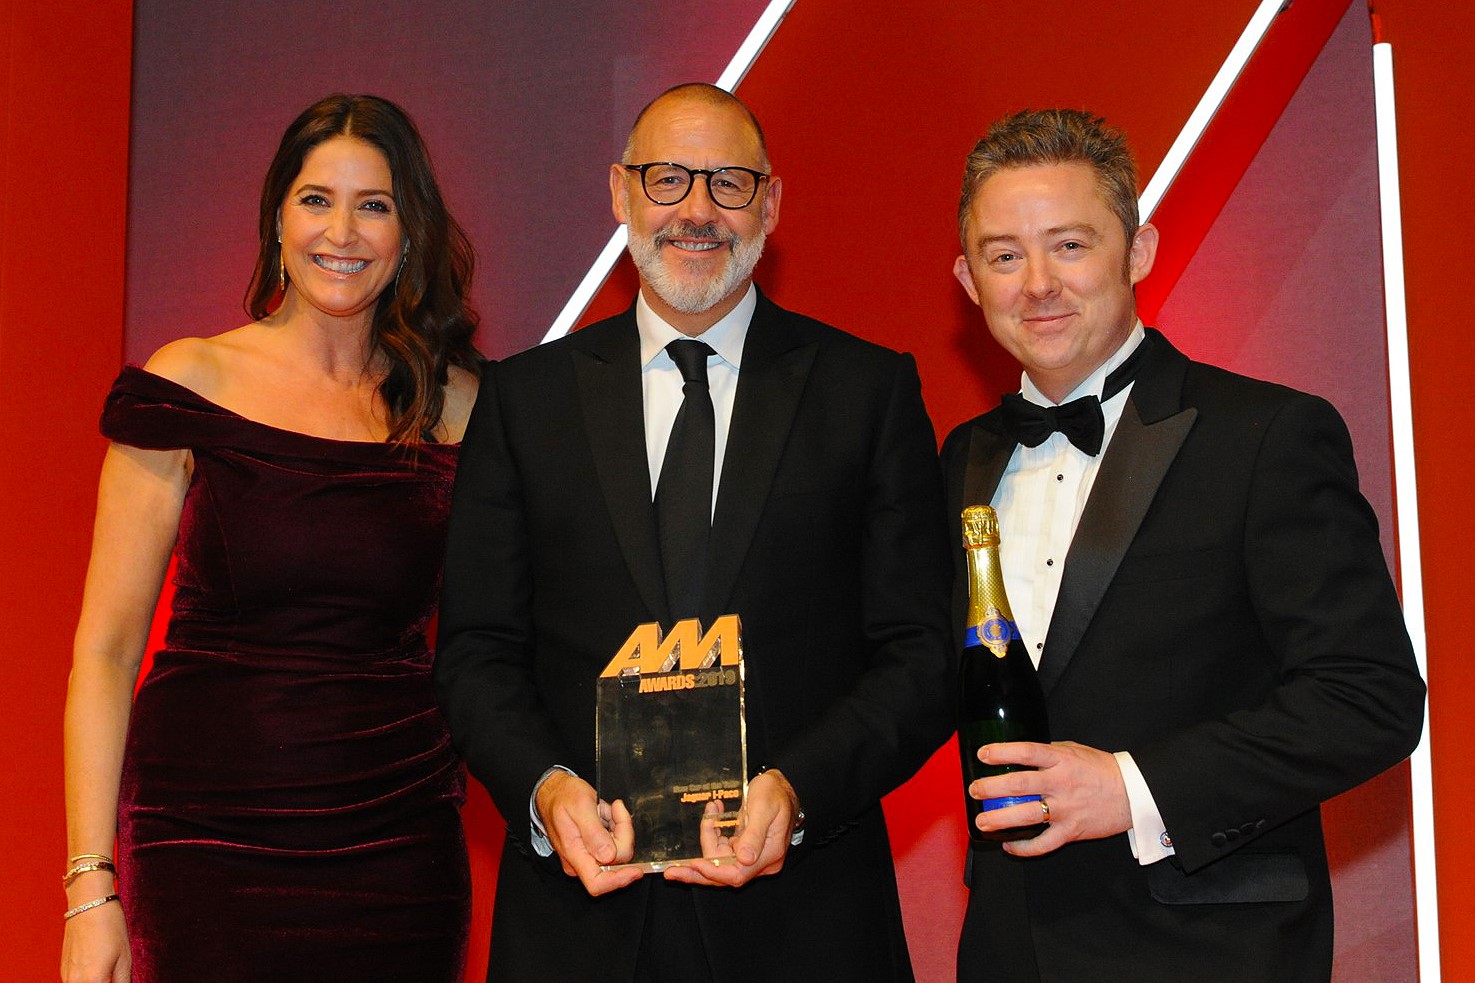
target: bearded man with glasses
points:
(706, 452)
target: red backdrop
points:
(841, 82)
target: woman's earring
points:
(281, 265)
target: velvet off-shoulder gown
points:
(289, 800)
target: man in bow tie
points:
(704, 453)
(1200, 584)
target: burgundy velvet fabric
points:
(288, 808)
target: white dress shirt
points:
(1040, 498)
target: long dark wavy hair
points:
(422, 321)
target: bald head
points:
(694, 98)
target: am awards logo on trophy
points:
(671, 739)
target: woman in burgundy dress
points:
(284, 797)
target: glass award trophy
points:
(671, 742)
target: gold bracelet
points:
(86, 868)
(87, 906)
(88, 856)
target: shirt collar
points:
(1092, 384)
(726, 336)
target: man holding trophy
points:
(704, 454)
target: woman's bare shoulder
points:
(461, 389)
(201, 364)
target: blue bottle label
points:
(989, 805)
(994, 634)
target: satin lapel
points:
(775, 368)
(988, 455)
(1134, 466)
(608, 376)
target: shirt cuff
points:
(539, 838)
(1148, 836)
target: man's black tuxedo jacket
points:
(1225, 615)
(828, 540)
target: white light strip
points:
(1213, 97)
(737, 68)
(748, 52)
(588, 286)
(1426, 899)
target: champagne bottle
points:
(1001, 698)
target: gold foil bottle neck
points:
(980, 527)
(986, 597)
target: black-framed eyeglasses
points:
(668, 183)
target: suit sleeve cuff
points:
(1148, 836)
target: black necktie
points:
(1080, 420)
(684, 493)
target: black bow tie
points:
(1080, 420)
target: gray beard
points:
(687, 296)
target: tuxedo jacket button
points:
(1218, 839)
(1249, 828)
(1232, 833)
